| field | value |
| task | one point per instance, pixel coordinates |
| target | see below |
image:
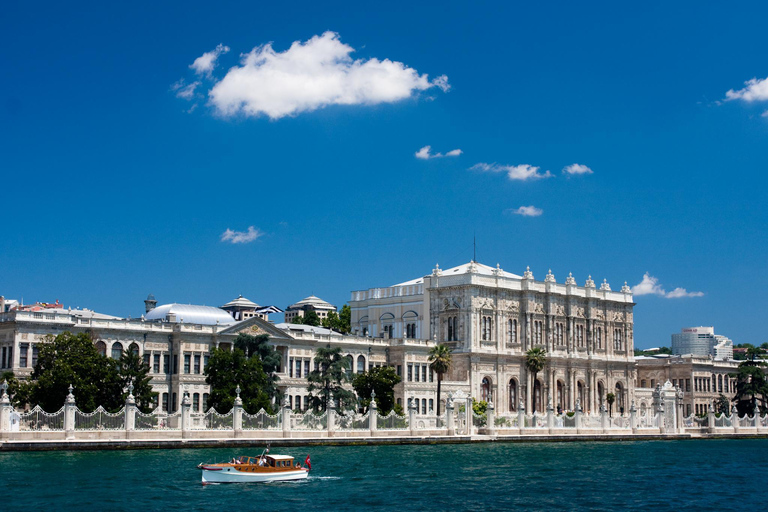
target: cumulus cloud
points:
(241, 237)
(522, 172)
(650, 286)
(205, 63)
(755, 90)
(184, 90)
(425, 153)
(312, 75)
(576, 169)
(526, 211)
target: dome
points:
(240, 302)
(191, 314)
(315, 302)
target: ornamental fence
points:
(70, 422)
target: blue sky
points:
(113, 189)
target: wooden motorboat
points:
(265, 468)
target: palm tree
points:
(440, 363)
(535, 360)
(610, 398)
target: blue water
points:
(659, 475)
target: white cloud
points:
(241, 237)
(650, 286)
(205, 63)
(527, 211)
(312, 75)
(764, 114)
(577, 169)
(184, 90)
(425, 153)
(522, 172)
(755, 90)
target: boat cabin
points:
(271, 461)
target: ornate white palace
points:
(491, 318)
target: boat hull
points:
(232, 475)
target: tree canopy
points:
(133, 370)
(440, 363)
(270, 359)
(326, 383)
(339, 322)
(535, 360)
(228, 369)
(751, 383)
(382, 380)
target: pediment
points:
(256, 326)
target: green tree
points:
(132, 369)
(535, 360)
(331, 321)
(610, 398)
(345, 319)
(73, 359)
(311, 318)
(298, 320)
(722, 404)
(18, 391)
(440, 363)
(382, 380)
(228, 369)
(326, 383)
(259, 346)
(751, 384)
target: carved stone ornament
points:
(437, 272)
(550, 278)
(255, 329)
(528, 274)
(590, 283)
(570, 280)
(605, 286)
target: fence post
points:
(603, 418)
(186, 419)
(633, 417)
(449, 419)
(286, 412)
(412, 408)
(490, 427)
(69, 414)
(5, 410)
(735, 419)
(373, 413)
(756, 418)
(237, 414)
(577, 416)
(661, 420)
(550, 416)
(521, 417)
(710, 419)
(331, 416)
(130, 411)
(470, 417)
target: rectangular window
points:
(24, 347)
(35, 352)
(146, 358)
(674, 382)
(290, 402)
(205, 361)
(417, 373)
(399, 370)
(306, 402)
(196, 402)
(306, 369)
(423, 373)
(166, 363)
(290, 367)
(431, 404)
(165, 401)
(2, 361)
(173, 405)
(642, 383)
(423, 406)
(175, 365)
(410, 373)
(205, 401)
(187, 361)
(156, 364)
(298, 368)
(197, 363)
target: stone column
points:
(633, 417)
(286, 412)
(603, 419)
(237, 414)
(186, 418)
(373, 411)
(735, 419)
(577, 416)
(412, 408)
(521, 417)
(5, 411)
(130, 411)
(331, 417)
(756, 419)
(710, 419)
(449, 418)
(69, 414)
(470, 417)
(550, 415)
(490, 415)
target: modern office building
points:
(702, 342)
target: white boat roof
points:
(280, 457)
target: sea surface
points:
(652, 475)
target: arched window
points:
(134, 349)
(350, 364)
(101, 348)
(196, 402)
(720, 383)
(725, 384)
(360, 364)
(512, 395)
(117, 350)
(486, 332)
(580, 393)
(205, 401)
(600, 392)
(714, 383)
(485, 390)
(620, 397)
(423, 406)
(599, 338)
(537, 396)
(560, 396)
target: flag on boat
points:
(307, 463)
